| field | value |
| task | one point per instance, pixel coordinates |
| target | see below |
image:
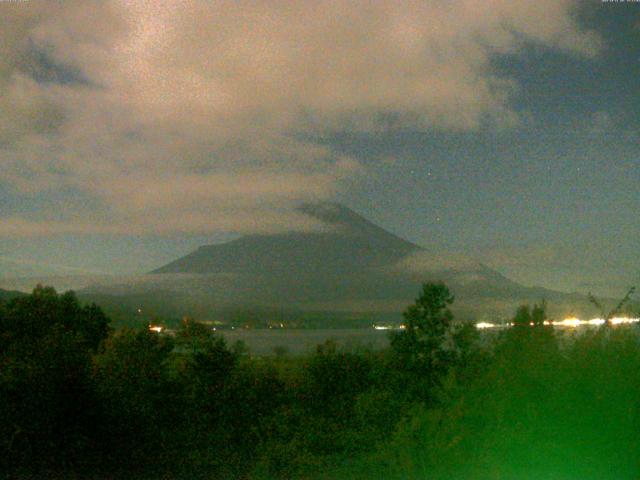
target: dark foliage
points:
(47, 404)
(79, 401)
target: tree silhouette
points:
(522, 317)
(421, 345)
(539, 313)
(47, 412)
(616, 310)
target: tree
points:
(527, 316)
(539, 313)
(228, 403)
(139, 400)
(530, 340)
(30, 318)
(211, 366)
(46, 342)
(465, 337)
(522, 317)
(193, 335)
(421, 345)
(617, 310)
(334, 378)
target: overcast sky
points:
(133, 131)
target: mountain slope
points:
(351, 243)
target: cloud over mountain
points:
(196, 116)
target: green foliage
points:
(465, 339)
(529, 331)
(522, 317)
(139, 402)
(47, 408)
(316, 421)
(129, 371)
(529, 413)
(333, 379)
(30, 318)
(420, 346)
(439, 404)
(430, 343)
(229, 403)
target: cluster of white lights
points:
(571, 322)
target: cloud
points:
(20, 227)
(13, 267)
(183, 115)
(569, 268)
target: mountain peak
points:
(329, 212)
(351, 223)
(353, 243)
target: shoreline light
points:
(570, 322)
(483, 325)
(389, 327)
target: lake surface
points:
(297, 341)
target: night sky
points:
(133, 132)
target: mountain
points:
(351, 265)
(351, 243)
